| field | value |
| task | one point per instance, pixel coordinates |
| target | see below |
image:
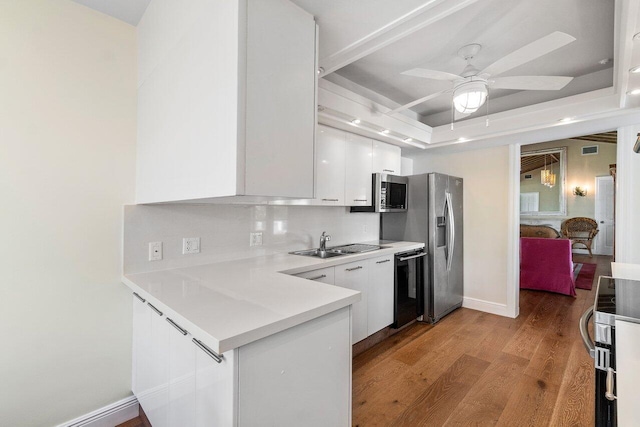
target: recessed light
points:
(636, 36)
(635, 70)
(634, 92)
(605, 61)
(320, 70)
(408, 139)
(565, 119)
(355, 121)
(384, 131)
(461, 139)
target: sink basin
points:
(317, 253)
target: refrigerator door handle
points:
(452, 231)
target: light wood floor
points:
(475, 368)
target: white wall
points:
(627, 245)
(488, 185)
(67, 155)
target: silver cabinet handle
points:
(354, 268)
(139, 297)
(387, 170)
(609, 389)
(413, 256)
(178, 327)
(322, 276)
(151, 306)
(329, 200)
(215, 356)
(359, 200)
(584, 332)
(383, 261)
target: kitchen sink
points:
(317, 253)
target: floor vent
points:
(589, 150)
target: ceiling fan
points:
(470, 88)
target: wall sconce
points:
(580, 191)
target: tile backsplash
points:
(224, 231)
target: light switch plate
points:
(255, 239)
(190, 245)
(155, 251)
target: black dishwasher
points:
(409, 287)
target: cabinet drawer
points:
(324, 275)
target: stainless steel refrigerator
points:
(434, 216)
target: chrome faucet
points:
(323, 241)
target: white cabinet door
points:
(182, 381)
(324, 275)
(628, 372)
(298, 377)
(359, 169)
(386, 158)
(380, 293)
(354, 276)
(215, 390)
(156, 403)
(330, 166)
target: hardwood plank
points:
(549, 362)
(485, 401)
(435, 405)
(525, 342)
(575, 405)
(542, 315)
(492, 345)
(531, 403)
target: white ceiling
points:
(129, 11)
(500, 26)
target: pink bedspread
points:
(546, 265)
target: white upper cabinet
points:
(226, 100)
(359, 169)
(330, 166)
(386, 158)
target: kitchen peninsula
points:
(244, 341)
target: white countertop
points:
(230, 304)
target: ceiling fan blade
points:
(529, 52)
(432, 74)
(418, 101)
(531, 82)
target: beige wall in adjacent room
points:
(67, 158)
(581, 171)
(486, 215)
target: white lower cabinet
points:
(300, 376)
(380, 293)
(627, 374)
(355, 276)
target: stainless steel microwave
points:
(389, 194)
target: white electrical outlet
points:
(191, 245)
(155, 251)
(255, 239)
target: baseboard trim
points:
(108, 416)
(486, 306)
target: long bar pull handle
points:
(354, 268)
(322, 276)
(383, 261)
(584, 332)
(451, 230)
(359, 200)
(609, 392)
(329, 200)
(412, 256)
(388, 170)
(178, 327)
(154, 309)
(215, 356)
(135, 294)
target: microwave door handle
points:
(584, 332)
(451, 230)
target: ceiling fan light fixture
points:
(468, 97)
